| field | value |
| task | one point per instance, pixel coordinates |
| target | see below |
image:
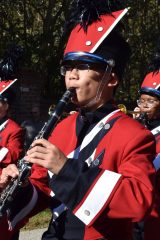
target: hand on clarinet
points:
(46, 155)
(136, 115)
(11, 171)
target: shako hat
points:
(95, 36)
(7, 93)
(8, 69)
(151, 82)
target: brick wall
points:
(29, 89)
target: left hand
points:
(11, 171)
(46, 155)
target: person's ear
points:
(113, 80)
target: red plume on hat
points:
(94, 21)
(92, 38)
(151, 82)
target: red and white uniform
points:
(107, 181)
(11, 149)
(11, 142)
(115, 189)
(152, 223)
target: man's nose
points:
(144, 103)
(74, 73)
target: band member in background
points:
(149, 104)
(11, 134)
(11, 140)
(93, 155)
(32, 126)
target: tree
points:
(38, 26)
(142, 30)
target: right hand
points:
(11, 171)
(136, 115)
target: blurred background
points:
(38, 26)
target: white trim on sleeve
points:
(3, 153)
(97, 197)
(3, 125)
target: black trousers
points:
(138, 231)
(16, 235)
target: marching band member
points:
(93, 155)
(11, 141)
(149, 103)
(11, 134)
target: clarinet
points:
(9, 193)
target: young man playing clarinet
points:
(98, 186)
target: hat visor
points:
(84, 57)
(150, 91)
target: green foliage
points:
(142, 27)
(38, 26)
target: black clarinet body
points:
(9, 193)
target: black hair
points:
(117, 48)
(8, 96)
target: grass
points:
(41, 220)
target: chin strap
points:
(102, 84)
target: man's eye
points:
(151, 101)
(82, 66)
(68, 68)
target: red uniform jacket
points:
(152, 222)
(11, 149)
(11, 143)
(107, 182)
(117, 187)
